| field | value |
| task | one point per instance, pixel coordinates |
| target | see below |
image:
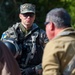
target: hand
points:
(38, 69)
(29, 71)
(39, 72)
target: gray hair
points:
(59, 17)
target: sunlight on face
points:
(27, 19)
(48, 31)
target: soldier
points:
(30, 38)
(8, 65)
(59, 53)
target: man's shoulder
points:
(14, 26)
(11, 31)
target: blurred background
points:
(9, 11)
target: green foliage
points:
(72, 12)
(9, 11)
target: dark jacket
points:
(32, 42)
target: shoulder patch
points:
(3, 36)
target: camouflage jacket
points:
(32, 44)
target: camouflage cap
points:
(27, 7)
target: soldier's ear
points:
(20, 16)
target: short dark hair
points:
(60, 17)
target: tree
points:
(9, 11)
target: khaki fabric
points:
(58, 52)
(8, 65)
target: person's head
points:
(56, 20)
(27, 14)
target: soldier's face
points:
(27, 19)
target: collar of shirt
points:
(24, 30)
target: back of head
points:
(60, 17)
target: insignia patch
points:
(3, 36)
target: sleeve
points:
(10, 33)
(37, 70)
(28, 71)
(3, 36)
(50, 61)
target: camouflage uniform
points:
(32, 43)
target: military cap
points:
(27, 7)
